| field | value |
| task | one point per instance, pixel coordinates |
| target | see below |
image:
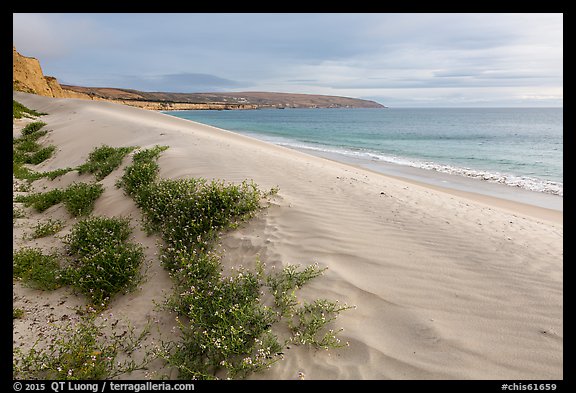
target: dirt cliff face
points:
(28, 77)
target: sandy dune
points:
(446, 286)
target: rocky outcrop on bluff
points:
(27, 76)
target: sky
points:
(398, 60)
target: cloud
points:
(332, 53)
(49, 36)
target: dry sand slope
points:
(446, 287)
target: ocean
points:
(518, 147)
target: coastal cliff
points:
(28, 77)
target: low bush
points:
(103, 160)
(20, 111)
(82, 350)
(105, 263)
(79, 198)
(31, 128)
(46, 228)
(36, 269)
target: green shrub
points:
(20, 111)
(79, 198)
(21, 172)
(103, 160)
(229, 329)
(90, 235)
(17, 313)
(284, 284)
(137, 177)
(40, 155)
(47, 228)
(41, 201)
(142, 172)
(26, 149)
(31, 128)
(54, 174)
(148, 155)
(105, 263)
(190, 212)
(103, 274)
(36, 269)
(84, 350)
(309, 322)
(26, 145)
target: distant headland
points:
(28, 77)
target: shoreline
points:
(537, 204)
(445, 286)
(513, 187)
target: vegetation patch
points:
(84, 350)
(17, 313)
(79, 198)
(189, 213)
(26, 149)
(105, 263)
(17, 213)
(142, 172)
(36, 269)
(101, 262)
(103, 160)
(46, 228)
(41, 201)
(32, 128)
(20, 111)
(226, 330)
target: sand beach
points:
(446, 284)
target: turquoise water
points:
(521, 147)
